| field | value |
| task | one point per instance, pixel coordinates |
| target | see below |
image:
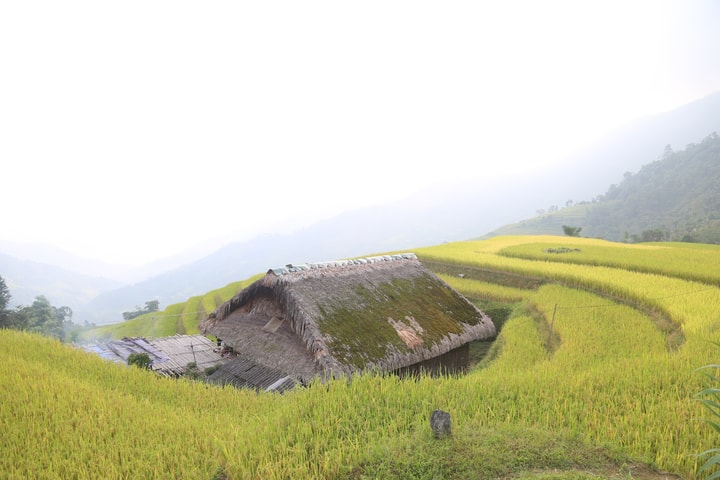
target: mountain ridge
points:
(466, 209)
(674, 198)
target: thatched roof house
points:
(329, 319)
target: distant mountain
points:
(357, 233)
(590, 171)
(123, 274)
(26, 280)
(467, 209)
(58, 257)
(68, 280)
(673, 198)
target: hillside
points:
(593, 376)
(590, 171)
(27, 279)
(676, 196)
(673, 198)
(465, 208)
(178, 318)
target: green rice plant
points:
(680, 300)
(609, 392)
(192, 314)
(323, 431)
(179, 318)
(154, 324)
(475, 289)
(633, 403)
(210, 301)
(710, 399)
(676, 260)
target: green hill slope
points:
(179, 318)
(674, 198)
(547, 223)
(592, 376)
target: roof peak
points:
(292, 268)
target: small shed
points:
(386, 313)
(241, 372)
(118, 351)
(182, 350)
(169, 356)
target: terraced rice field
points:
(593, 375)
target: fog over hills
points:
(590, 172)
(450, 212)
(26, 280)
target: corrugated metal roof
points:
(242, 372)
(171, 355)
(184, 349)
(118, 351)
(168, 356)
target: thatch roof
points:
(338, 318)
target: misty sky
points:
(132, 130)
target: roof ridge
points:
(291, 268)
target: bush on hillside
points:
(141, 360)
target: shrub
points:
(141, 360)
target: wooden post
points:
(552, 324)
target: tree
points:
(40, 317)
(64, 314)
(150, 306)
(5, 296)
(4, 302)
(667, 152)
(141, 360)
(571, 231)
(653, 235)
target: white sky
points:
(132, 130)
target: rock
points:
(440, 424)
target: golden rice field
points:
(617, 381)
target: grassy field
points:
(182, 318)
(549, 223)
(593, 375)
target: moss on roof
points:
(358, 333)
(384, 315)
